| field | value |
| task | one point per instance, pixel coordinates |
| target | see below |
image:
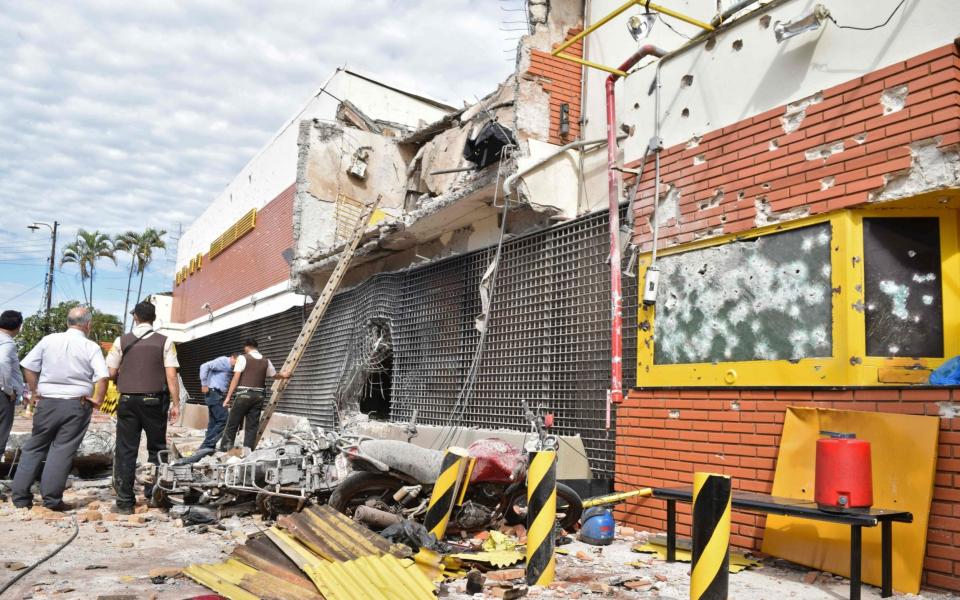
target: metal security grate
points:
(548, 342)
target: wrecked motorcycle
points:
(275, 479)
(393, 480)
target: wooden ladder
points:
(313, 321)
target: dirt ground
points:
(115, 557)
(119, 557)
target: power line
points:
(23, 293)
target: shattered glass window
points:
(767, 298)
(903, 295)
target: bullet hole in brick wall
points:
(765, 21)
(685, 113)
(737, 45)
(686, 81)
(774, 144)
(734, 405)
(741, 195)
(711, 43)
(673, 414)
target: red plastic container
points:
(844, 472)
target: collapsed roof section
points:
(440, 185)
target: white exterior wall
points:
(730, 85)
(274, 168)
(273, 300)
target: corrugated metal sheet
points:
(549, 338)
(238, 581)
(343, 560)
(373, 578)
(333, 536)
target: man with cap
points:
(215, 378)
(144, 365)
(67, 378)
(249, 383)
(11, 379)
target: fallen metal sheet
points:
(335, 537)
(238, 581)
(738, 560)
(262, 554)
(373, 578)
(904, 457)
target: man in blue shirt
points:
(214, 380)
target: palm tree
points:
(151, 239)
(85, 251)
(128, 242)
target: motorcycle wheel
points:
(568, 502)
(360, 487)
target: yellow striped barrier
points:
(711, 537)
(541, 517)
(452, 475)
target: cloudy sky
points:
(123, 115)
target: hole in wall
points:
(686, 81)
(737, 45)
(711, 43)
(636, 106)
(685, 113)
(765, 21)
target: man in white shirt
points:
(67, 378)
(250, 374)
(11, 379)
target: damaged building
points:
(786, 181)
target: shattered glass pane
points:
(904, 301)
(767, 298)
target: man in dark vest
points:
(250, 385)
(144, 365)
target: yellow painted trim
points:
(590, 64)
(848, 366)
(559, 50)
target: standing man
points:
(61, 371)
(215, 378)
(249, 382)
(144, 365)
(11, 379)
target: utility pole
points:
(53, 261)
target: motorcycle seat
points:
(422, 464)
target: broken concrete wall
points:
(327, 152)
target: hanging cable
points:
(23, 573)
(856, 28)
(458, 412)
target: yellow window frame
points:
(848, 365)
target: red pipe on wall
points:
(615, 395)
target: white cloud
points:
(120, 116)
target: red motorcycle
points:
(397, 477)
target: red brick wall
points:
(561, 79)
(251, 264)
(656, 450)
(739, 159)
(653, 449)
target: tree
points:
(85, 251)
(148, 241)
(128, 242)
(104, 328)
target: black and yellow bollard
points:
(445, 491)
(711, 537)
(541, 517)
